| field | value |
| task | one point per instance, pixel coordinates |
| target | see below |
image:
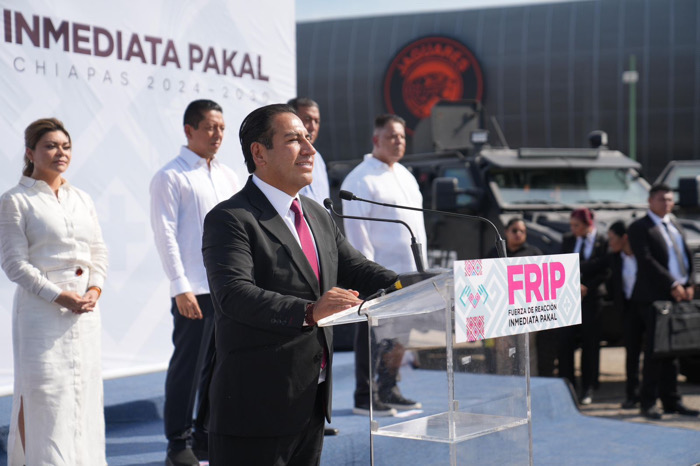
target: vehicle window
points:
(464, 181)
(569, 186)
(678, 172)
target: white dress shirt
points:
(318, 190)
(388, 244)
(282, 203)
(587, 243)
(673, 265)
(629, 274)
(182, 193)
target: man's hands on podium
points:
(334, 301)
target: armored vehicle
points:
(465, 174)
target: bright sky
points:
(313, 10)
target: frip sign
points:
(510, 296)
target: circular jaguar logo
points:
(426, 71)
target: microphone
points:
(500, 242)
(390, 289)
(415, 245)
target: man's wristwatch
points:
(309, 315)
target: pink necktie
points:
(307, 245)
(307, 242)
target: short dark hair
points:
(381, 120)
(33, 134)
(513, 221)
(257, 127)
(299, 102)
(659, 188)
(194, 113)
(619, 228)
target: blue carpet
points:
(561, 435)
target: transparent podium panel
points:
(474, 396)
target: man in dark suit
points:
(665, 272)
(273, 260)
(592, 246)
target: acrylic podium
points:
(475, 395)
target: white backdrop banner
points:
(119, 75)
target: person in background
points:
(182, 193)
(543, 344)
(516, 240)
(310, 114)
(380, 177)
(319, 190)
(592, 247)
(664, 273)
(623, 278)
(276, 263)
(52, 248)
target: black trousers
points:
(659, 375)
(589, 334)
(188, 374)
(634, 326)
(302, 449)
(386, 373)
(546, 341)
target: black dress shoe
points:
(679, 408)
(652, 413)
(202, 455)
(330, 431)
(200, 445)
(184, 457)
(630, 404)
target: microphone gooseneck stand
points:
(500, 242)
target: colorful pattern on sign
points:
(473, 268)
(511, 296)
(473, 297)
(475, 328)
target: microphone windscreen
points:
(346, 195)
(328, 204)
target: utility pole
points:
(630, 77)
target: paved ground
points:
(608, 398)
(141, 442)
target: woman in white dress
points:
(52, 248)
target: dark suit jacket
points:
(594, 270)
(614, 285)
(267, 363)
(653, 279)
